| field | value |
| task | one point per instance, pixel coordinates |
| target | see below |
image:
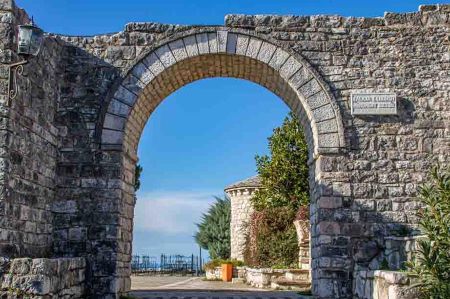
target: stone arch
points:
(205, 54)
(222, 53)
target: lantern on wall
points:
(30, 39)
(30, 42)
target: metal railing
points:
(174, 264)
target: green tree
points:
(137, 177)
(284, 174)
(432, 261)
(283, 197)
(214, 229)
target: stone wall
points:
(29, 142)
(396, 251)
(43, 278)
(394, 285)
(99, 92)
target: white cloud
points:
(171, 212)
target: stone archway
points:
(216, 53)
(70, 134)
(221, 53)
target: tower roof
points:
(254, 181)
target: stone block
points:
(203, 43)
(289, 68)
(301, 77)
(191, 45)
(165, 56)
(325, 288)
(222, 39)
(114, 122)
(21, 266)
(329, 228)
(178, 49)
(154, 64)
(328, 140)
(213, 43)
(266, 51)
(444, 7)
(118, 108)
(329, 202)
(310, 88)
(413, 19)
(253, 47)
(342, 189)
(125, 96)
(112, 137)
(7, 5)
(434, 18)
(278, 59)
(232, 43)
(327, 126)
(242, 44)
(424, 8)
(318, 100)
(77, 234)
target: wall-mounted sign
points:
(374, 104)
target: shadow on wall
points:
(373, 232)
(86, 208)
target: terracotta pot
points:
(227, 272)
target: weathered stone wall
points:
(85, 206)
(29, 142)
(241, 211)
(396, 251)
(43, 278)
(393, 285)
(362, 191)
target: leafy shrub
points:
(432, 261)
(214, 230)
(218, 262)
(272, 240)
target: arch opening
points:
(222, 54)
(182, 61)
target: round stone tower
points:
(240, 194)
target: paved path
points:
(216, 295)
(170, 287)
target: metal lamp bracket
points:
(15, 69)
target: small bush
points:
(211, 265)
(432, 262)
(272, 240)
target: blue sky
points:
(205, 135)
(87, 17)
(200, 139)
